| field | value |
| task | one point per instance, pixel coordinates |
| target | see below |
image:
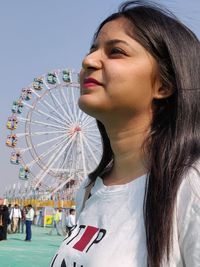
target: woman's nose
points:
(92, 61)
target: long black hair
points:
(173, 144)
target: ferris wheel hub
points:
(74, 130)
(77, 129)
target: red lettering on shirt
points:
(86, 238)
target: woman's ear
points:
(162, 91)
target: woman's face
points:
(118, 77)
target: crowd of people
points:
(14, 219)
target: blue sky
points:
(39, 36)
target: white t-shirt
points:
(30, 214)
(15, 213)
(71, 220)
(110, 230)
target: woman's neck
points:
(130, 160)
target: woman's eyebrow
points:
(110, 43)
(116, 41)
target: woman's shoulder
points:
(188, 197)
(188, 216)
(190, 186)
(80, 195)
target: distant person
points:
(4, 221)
(57, 220)
(9, 211)
(70, 221)
(9, 208)
(29, 220)
(19, 222)
(15, 216)
(39, 218)
(23, 219)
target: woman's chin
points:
(92, 108)
(85, 106)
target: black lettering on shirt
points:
(99, 237)
(54, 260)
(63, 264)
(80, 228)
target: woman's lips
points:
(90, 82)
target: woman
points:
(141, 82)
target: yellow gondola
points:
(11, 140)
(12, 123)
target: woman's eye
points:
(117, 51)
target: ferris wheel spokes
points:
(39, 158)
(51, 149)
(89, 149)
(55, 110)
(83, 156)
(59, 104)
(70, 150)
(61, 185)
(50, 116)
(74, 106)
(52, 160)
(70, 116)
(48, 105)
(46, 124)
(93, 143)
(25, 120)
(50, 140)
(87, 120)
(91, 125)
(47, 132)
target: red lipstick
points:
(90, 82)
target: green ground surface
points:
(15, 252)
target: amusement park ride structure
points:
(55, 144)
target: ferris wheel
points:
(55, 144)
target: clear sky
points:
(39, 36)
